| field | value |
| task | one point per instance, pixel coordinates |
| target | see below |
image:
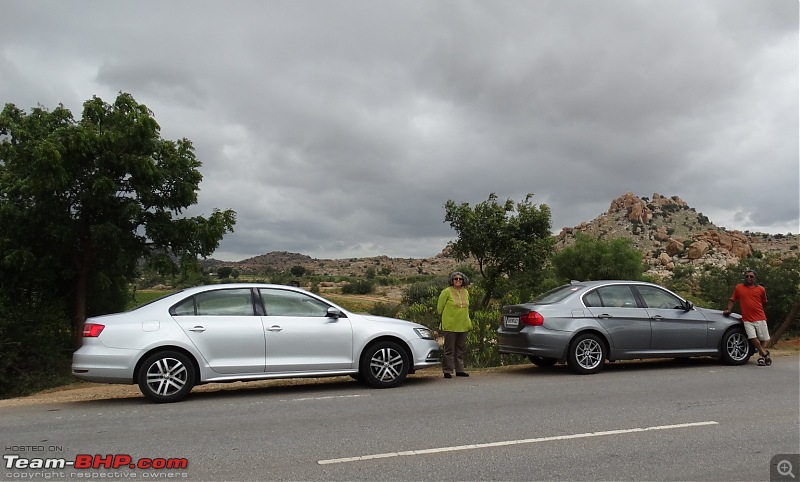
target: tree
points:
(224, 272)
(505, 239)
(297, 271)
(82, 202)
(594, 259)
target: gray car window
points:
(279, 302)
(658, 298)
(226, 302)
(618, 296)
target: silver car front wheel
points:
(384, 364)
(166, 376)
(587, 353)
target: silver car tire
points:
(587, 354)
(166, 376)
(384, 364)
(735, 348)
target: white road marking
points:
(512, 442)
(324, 398)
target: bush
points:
(35, 347)
(385, 309)
(359, 287)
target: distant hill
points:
(665, 229)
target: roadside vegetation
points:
(91, 216)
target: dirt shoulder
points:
(85, 391)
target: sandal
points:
(761, 361)
(768, 359)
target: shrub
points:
(36, 347)
(359, 287)
(385, 309)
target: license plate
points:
(512, 322)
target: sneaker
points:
(761, 361)
(447, 375)
(462, 374)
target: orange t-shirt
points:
(751, 299)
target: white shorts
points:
(756, 329)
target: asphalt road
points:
(691, 420)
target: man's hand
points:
(726, 313)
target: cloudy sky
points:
(339, 128)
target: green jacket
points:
(454, 308)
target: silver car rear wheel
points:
(384, 364)
(587, 353)
(166, 376)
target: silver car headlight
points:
(424, 333)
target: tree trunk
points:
(785, 325)
(81, 293)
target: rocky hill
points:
(665, 229)
(669, 233)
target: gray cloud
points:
(339, 129)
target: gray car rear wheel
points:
(735, 349)
(587, 353)
(166, 376)
(384, 364)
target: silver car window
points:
(279, 302)
(225, 302)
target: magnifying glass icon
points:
(784, 468)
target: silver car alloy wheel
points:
(386, 364)
(589, 354)
(167, 376)
(737, 346)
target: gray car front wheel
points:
(587, 353)
(166, 376)
(735, 349)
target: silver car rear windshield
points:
(556, 294)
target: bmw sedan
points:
(586, 323)
(240, 332)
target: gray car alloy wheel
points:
(586, 354)
(166, 377)
(735, 347)
(384, 364)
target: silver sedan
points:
(586, 323)
(239, 332)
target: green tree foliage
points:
(83, 201)
(224, 272)
(506, 239)
(594, 259)
(297, 271)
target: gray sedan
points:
(586, 323)
(239, 332)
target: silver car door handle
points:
(604, 316)
(197, 329)
(274, 328)
(657, 317)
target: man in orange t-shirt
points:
(751, 300)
